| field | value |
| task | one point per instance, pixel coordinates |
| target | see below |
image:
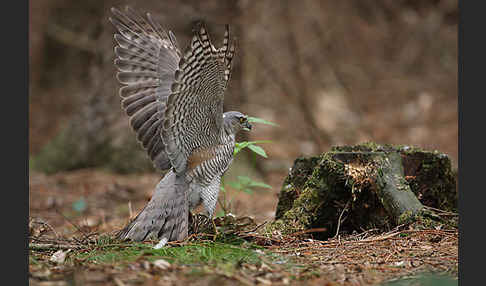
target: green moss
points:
(365, 147)
(431, 178)
(429, 173)
(112, 254)
(406, 217)
(224, 256)
(314, 206)
(294, 182)
(304, 210)
(315, 192)
(286, 198)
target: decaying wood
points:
(386, 179)
(355, 188)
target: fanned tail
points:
(165, 216)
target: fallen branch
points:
(48, 246)
(320, 229)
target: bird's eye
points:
(242, 119)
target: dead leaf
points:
(146, 265)
(44, 274)
(59, 256)
(265, 267)
(162, 264)
(118, 282)
(52, 283)
(263, 281)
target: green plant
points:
(245, 183)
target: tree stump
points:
(356, 188)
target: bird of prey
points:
(174, 102)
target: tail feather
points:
(164, 216)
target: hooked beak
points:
(247, 126)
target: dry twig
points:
(340, 216)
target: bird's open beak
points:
(247, 126)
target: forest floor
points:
(73, 216)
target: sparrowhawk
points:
(174, 102)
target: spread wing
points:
(147, 58)
(194, 114)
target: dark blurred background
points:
(327, 72)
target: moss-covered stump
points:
(355, 188)
(428, 173)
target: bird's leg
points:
(209, 207)
(215, 228)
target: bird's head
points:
(235, 121)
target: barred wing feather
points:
(147, 58)
(194, 113)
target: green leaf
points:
(260, 184)
(235, 185)
(262, 121)
(248, 182)
(260, 141)
(244, 180)
(257, 149)
(240, 146)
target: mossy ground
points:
(227, 254)
(363, 259)
(243, 254)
